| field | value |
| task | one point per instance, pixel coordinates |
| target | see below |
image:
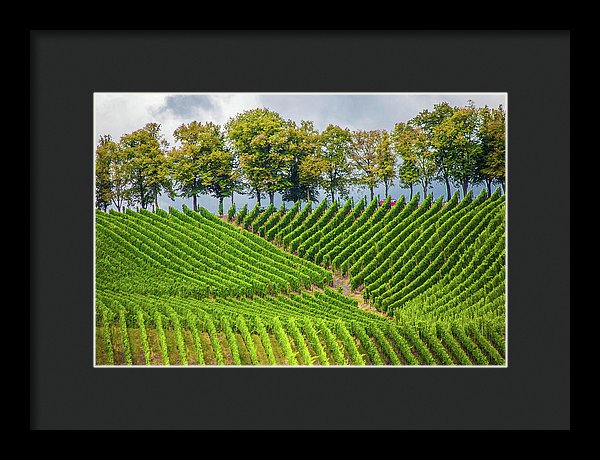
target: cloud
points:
(186, 106)
(121, 113)
(365, 111)
(117, 114)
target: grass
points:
(137, 351)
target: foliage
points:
(493, 145)
(417, 159)
(364, 157)
(146, 165)
(302, 143)
(459, 134)
(261, 153)
(259, 138)
(202, 163)
(332, 164)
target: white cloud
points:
(234, 103)
(121, 113)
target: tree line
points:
(258, 152)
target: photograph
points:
(267, 229)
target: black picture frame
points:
(67, 66)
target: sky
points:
(117, 114)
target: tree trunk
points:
(371, 190)
(258, 197)
(386, 188)
(142, 201)
(332, 196)
(489, 186)
(271, 197)
(307, 194)
(465, 187)
(220, 205)
(194, 203)
(448, 188)
(411, 192)
(232, 192)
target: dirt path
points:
(339, 280)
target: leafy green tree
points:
(364, 158)
(238, 182)
(146, 164)
(385, 161)
(418, 160)
(428, 122)
(106, 155)
(332, 161)
(256, 136)
(195, 140)
(300, 142)
(424, 161)
(219, 175)
(408, 175)
(199, 155)
(459, 134)
(492, 134)
(159, 177)
(312, 173)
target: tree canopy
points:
(259, 138)
(261, 153)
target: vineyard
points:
(366, 283)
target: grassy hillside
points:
(430, 261)
(187, 288)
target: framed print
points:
(249, 226)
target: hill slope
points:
(186, 288)
(434, 261)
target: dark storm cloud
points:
(187, 106)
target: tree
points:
(443, 155)
(492, 134)
(146, 164)
(256, 136)
(193, 161)
(300, 142)
(159, 178)
(459, 134)
(218, 175)
(385, 161)
(312, 170)
(332, 161)
(215, 162)
(363, 155)
(105, 156)
(408, 175)
(418, 160)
